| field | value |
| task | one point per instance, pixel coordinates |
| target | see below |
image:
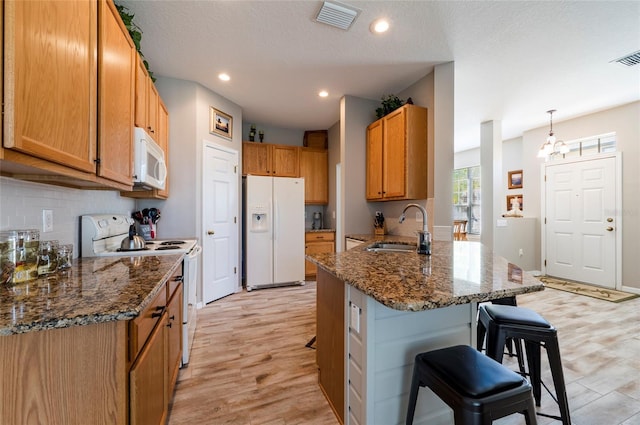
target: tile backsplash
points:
(22, 202)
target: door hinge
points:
(545, 263)
(545, 220)
(235, 270)
(235, 169)
(235, 220)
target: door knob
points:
(609, 219)
(211, 232)
(609, 229)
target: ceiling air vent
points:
(337, 14)
(629, 60)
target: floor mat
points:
(585, 289)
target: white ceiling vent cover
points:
(629, 60)
(337, 14)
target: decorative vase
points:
(261, 134)
(252, 136)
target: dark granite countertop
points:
(93, 290)
(456, 273)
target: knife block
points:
(380, 231)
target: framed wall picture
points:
(515, 179)
(220, 123)
(511, 199)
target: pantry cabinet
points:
(314, 166)
(62, 124)
(397, 155)
(265, 159)
(317, 243)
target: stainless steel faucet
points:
(424, 237)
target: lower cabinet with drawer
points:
(316, 243)
(155, 348)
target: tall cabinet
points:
(397, 155)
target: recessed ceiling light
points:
(323, 93)
(224, 77)
(379, 26)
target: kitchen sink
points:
(390, 247)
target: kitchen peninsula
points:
(92, 344)
(377, 310)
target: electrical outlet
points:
(418, 216)
(47, 221)
(521, 252)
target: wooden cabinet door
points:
(148, 380)
(315, 248)
(174, 339)
(152, 109)
(395, 154)
(50, 108)
(374, 161)
(142, 78)
(285, 161)
(314, 167)
(116, 88)
(163, 141)
(256, 159)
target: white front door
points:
(581, 221)
(220, 223)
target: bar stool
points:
(476, 387)
(500, 322)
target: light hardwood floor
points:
(250, 365)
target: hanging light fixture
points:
(552, 146)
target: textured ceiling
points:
(513, 60)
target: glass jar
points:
(27, 246)
(47, 257)
(8, 241)
(65, 255)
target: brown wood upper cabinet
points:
(63, 124)
(314, 167)
(397, 155)
(265, 159)
(146, 101)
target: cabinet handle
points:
(169, 324)
(158, 312)
(173, 317)
(178, 278)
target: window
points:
(466, 197)
(591, 145)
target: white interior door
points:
(220, 223)
(581, 221)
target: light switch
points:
(355, 318)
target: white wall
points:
(276, 135)
(466, 159)
(22, 202)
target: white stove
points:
(101, 235)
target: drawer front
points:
(140, 328)
(319, 236)
(174, 282)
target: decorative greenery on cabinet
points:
(135, 32)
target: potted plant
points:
(389, 104)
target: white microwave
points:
(149, 166)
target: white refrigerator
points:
(274, 231)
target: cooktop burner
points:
(131, 250)
(172, 243)
(163, 247)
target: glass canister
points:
(27, 246)
(47, 257)
(65, 255)
(8, 241)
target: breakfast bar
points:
(377, 310)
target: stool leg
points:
(495, 342)
(533, 362)
(553, 353)
(530, 413)
(413, 396)
(481, 332)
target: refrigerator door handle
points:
(275, 219)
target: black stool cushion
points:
(469, 371)
(515, 315)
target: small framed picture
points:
(220, 123)
(515, 273)
(511, 200)
(515, 179)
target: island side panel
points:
(75, 375)
(330, 339)
(381, 358)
